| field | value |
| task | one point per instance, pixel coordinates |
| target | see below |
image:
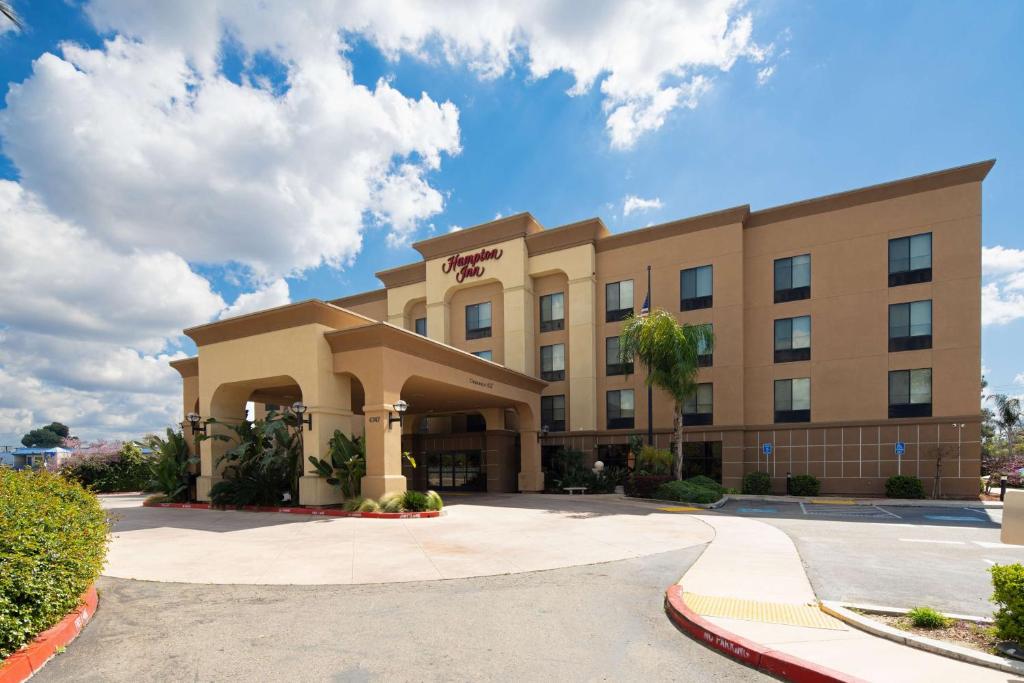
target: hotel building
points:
(847, 345)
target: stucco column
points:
(531, 477)
(383, 453)
(519, 338)
(227, 405)
(437, 321)
(582, 354)
(314, 489)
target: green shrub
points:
(126, 470)
(644, 485)
(804, 485)
(168, 468)
(53, 540)
(392, 502)
(904, 486)
(926, 617)
(352, 504)
(757, 483)
(685, 492)
(706, 482)
(368, 505)
(434, 499)
(414, 501)
(653, 460)
(1008, 594)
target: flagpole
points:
(650, 391)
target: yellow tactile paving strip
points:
(766, 612)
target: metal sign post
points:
(900, 449)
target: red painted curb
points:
(298, 510)
(24, 663)
(748, 652)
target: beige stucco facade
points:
(846, 437)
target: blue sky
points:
(815, 98)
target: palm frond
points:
(7, 11)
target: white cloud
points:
(1002, 290)
(632, 204)
(764, 75)
(648, 56)
(269, 296)
(454, 228)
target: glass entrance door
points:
(456, 471)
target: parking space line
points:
(997, 546)
(802, 508)
(893, 514)
(989, 562)
(932, 540)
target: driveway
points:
(477, 536)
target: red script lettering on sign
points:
(469, 265)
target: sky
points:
(168, 164)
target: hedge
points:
(644, 485)
(686, 492)
(53, 540)
(804, 485)
(904, 486)
(757, 483)
(1008, 594)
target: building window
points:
(552, 362)
(910, 326)
(702, 458)
(552, 312)
(793, 278)
(793, 400)
(612, 364)
(486, 355)
(793, 339)
(910, 393)
(614, 456)
(421, 326)
(699, 406)
(618, 300)
(552, 413)
(620, 409)
(695, 288)
(475, 422)
(910, 260)
(478, 320)
(705, 354)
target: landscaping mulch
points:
(964, 633)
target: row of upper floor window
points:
(910, 395)
(910, 261)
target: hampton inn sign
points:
(467, 266)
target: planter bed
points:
(23, 664)
(301, 510)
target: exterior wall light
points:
(299, 408)
(194, 421)
(400, 407)
(598, 467)
(543, 432)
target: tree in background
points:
(1007, 417)
(50, 436)
(669, 352)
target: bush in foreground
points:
(53, 539)
(926, 617)
(125, 470)
(644, 485)
(706, 482)
(1008, 594)
(904, 486)
(804, 485)
(757, 483)
(686, 492)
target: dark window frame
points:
(911, 408)
(619, 422)
(612, 315)
(552, 375)
(489, 352)
(416, 326)
(613, 366)
(910, 341)
(479, 332)
(790, 414)
(698, 417)
(787, 292)
(903, 273)
(791, 353)
(697, 301)
(551, 324)
(549, 412)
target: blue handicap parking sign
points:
(901, 448)
(766, 448)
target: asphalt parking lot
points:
(893, 555)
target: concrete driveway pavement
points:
(478, 536)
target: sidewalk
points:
(751, 583)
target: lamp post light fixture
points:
(194, 421)
(299, 408)
(400, 407)
(543, 432)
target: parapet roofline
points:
(501, 230)
(310, 311)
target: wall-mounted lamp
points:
(299, 408)
(194, 420)
(400, 408)
(543, 432)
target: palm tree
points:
(1008, 417)
(7, 11)
(668, 351)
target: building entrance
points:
(456, 471)
(703, 457)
